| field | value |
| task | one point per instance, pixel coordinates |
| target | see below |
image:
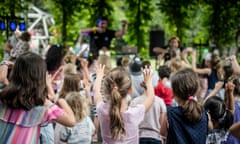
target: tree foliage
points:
(139, 17)
(196, 21)
(223, 21)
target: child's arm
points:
(98, 83)
(87, 88)
(186, 62)
(149, 88)
(51, 94)
(84, 64)
(216, 89)
(235, 130)
(164, 126)
(197, 70)
(235, 65)
(68, 118)
(4, 66)
(56, 73)
(229, 97)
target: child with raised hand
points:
(82, 132)
(221, 113)
(119, 123)
(236, 118)
(188, 122)
(24, 103)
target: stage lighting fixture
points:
(2, 25)
(12, 25)
(22, 26)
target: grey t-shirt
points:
(150, 126)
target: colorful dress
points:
(22, 126)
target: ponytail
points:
(226, 120)
(116, 120)
(219, 114)
(192, 111)
(115, 87)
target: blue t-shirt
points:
(181, 131)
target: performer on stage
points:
(101, 36)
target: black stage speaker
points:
(156, 40)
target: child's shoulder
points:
(22, 117)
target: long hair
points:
(79, 105)
(27, 87)
(54, 57)
(218, 112)
(115, 87)
(236, 82)
(71, 82)
(185, 84)
(105, 60)
(218, 65)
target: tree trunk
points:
(64, 22)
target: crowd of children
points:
(70, 99)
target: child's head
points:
(164, 72)
(105, 60)
(146, 64)
(25, 36)
(185, 84)
(220, 116)
(176, 64)
(54, 57)
(125, 61)
(79, 105)
(71, 82)
(27, 87)
(116, 86)
(69, 68)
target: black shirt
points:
(99, 40)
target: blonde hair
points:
(115, 87)
(176, 64)
(125, 61)
(71, 82)
(69, 68)
(105, 60)
(79, 105)
(218, 65)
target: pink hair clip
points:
(115, 87)
(190, 98)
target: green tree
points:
(139, 14)
(222, 22)
(178, 15)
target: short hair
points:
(164, 71)
(175, 38)
(103, 18)
(25, 36)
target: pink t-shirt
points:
(132, 118)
